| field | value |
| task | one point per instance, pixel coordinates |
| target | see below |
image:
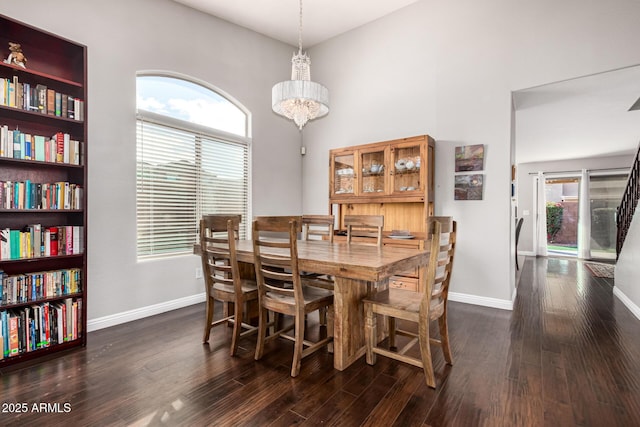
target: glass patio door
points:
(562, 206)
(605, 194)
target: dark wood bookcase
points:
(61, 66)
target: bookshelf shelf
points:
(40, 259)
(20, 114)
(45, 77)
(41, 300)
(44, 141)
(36, 211)
(38, 163)
(44, 352)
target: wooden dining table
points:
(358, 271)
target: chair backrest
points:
(367, 226)
(317, 226)
(446, 251)
(428, 279)
(276, 259)
(218, 235)
(275, 219)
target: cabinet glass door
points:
(407, 165)
(343, 174)
(373, 172)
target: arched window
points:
(193, 159)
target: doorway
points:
(576, 213)
(562, 202)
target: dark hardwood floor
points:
(568, 354)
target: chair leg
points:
(275, 322)
(330, 325)
(225, 309)
(209, 319)
(444, 337)
(237, 326)
(322, 313)
(392, 332)
(370, 332)
(262, 332)
(298, 345)
(425, 353)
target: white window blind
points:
(182, 175)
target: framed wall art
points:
(469, 187)
(470, 158)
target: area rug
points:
(600, 270)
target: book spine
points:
(13, 335)
(68, 321)
(59, 147)
(69, 239)
(51, 102)
(5, 333)
(58, 104)
(17, 154)
(42, 98)
(46, 326)
(53, 241)
(71, 107)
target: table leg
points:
(349, 321)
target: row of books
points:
(31, 287)
(59, 148)
(40, 99)
(30, 195)
(40, 326)
(35, 241)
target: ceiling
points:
(279, 19)
(579, 118)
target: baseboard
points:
(142, 312)
(627, 302)
(483, 301)
(526, 253)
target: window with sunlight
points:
(192, 159)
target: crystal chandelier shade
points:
(300, 99)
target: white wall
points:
(627, 275)
(442, 68)
(525, 191)
(448, 69)
(125, 36)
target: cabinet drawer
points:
(403, 282)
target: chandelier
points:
(300, 99)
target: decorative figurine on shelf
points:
(16, 57)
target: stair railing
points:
(628, 204)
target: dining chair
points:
(218, 235)
(284, 233)
(276, 263)
(318, 227)
(368, 227)
(419, 308)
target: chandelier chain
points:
(300, 29)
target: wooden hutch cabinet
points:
(391, 178)
(43, 183)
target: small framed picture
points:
(470, 158)
(469, 187)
